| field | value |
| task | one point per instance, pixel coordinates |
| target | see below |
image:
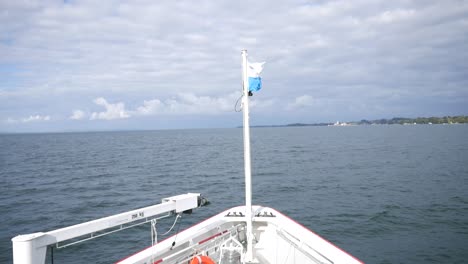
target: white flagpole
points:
(247, 168)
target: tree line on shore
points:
(418, 120)
(392, 121)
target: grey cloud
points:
(363, 55)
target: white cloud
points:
(78, 115)
(31, 118)
(258, 104)
(187, 103)
(150, 107)
(35, 118)
(113, 111)
(301, 102)
(182, 104)
(394, 16)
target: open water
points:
(385, 194)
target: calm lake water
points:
(385, 194)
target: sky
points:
(130, 65)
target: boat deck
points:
(277, 239)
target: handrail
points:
(187, 253)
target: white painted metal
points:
(247, 162)
(32, 248)
(279, 240)
(183, 202)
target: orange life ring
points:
(202, 260)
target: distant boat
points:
(244, 234)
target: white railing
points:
(210, 247)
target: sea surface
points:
(385, 194)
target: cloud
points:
(29, 119)
(78, 115)
(150, 107)
(301, 102)
(113, 111)
(182, 104)
(261, 104)
(394, 16)
(188, 103)
(57, 54)
(35, 118)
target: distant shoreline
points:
(446, 120)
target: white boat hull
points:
(277, 239)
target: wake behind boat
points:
(244, 234)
